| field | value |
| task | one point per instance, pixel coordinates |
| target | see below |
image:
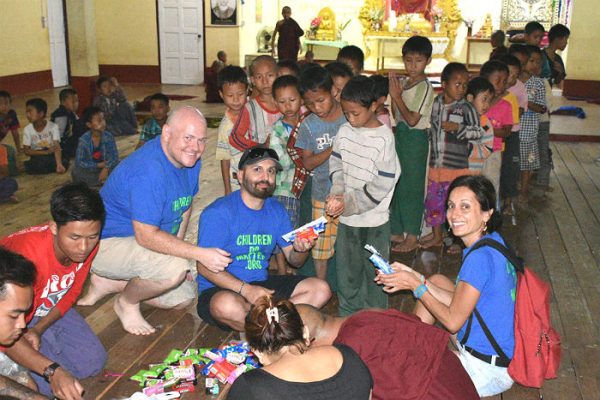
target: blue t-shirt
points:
(249, 235)
(488, 271)
(146, 187)
(317, 136)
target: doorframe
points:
(156, 5)
(68, 52)
(66, 30)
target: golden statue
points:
(327, 28)
(487, 27)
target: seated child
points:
(8, 185)
(69, 126)
(364, 169)
(9, 123)
(497, 41)
(480, 93)
(120, 117)
(288, 67)
(354, 57)
(97, 153)
(159, 107)
(341, 74)
(287, 95)
(220, 62)
(41, 141)
(309, 58)
(233, 88)
(454, 122)
(382, 89)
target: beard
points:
(260, 193)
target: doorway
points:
(181, 26)
(58, 43)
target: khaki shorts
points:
(121, 258)
(324, 248)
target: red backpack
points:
(537, 345)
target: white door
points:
(58, 44)
(181, 44)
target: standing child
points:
(159, 107)
(480, 93)
(354, 57)
(510, 170)
(503, 114)
(364, 170)
(382, 89)
(41, 141)
(454, 122)
(287, 95)
(97, 152)
(233, 89)
(65, 116)
(111, 100)
(558, 38)
(316, 135)
(341, 74)
(262, 109)
(9, 123)
(497, 42)
(288, 67)
(412, 101)
(530, 122)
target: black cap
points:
(257, 154)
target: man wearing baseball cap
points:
(249, 224)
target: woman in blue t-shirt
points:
(486, 282)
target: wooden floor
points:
(559, 236)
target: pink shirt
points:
(500, 115)
(520, 92)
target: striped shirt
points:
(364, 168)
(451, 149)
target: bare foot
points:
(432, 242)
(100, 287)
(397, 238)
(131, 318)
(409, 244)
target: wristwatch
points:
(50, 370)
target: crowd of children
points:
(492, 124)
(495, 124)
(86, 143)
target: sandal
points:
(454, 248)
(405, 247)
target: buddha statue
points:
(327, 28)
(487, 27)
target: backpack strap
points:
(517, 262)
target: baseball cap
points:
(257, 154)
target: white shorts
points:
(489, 380)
